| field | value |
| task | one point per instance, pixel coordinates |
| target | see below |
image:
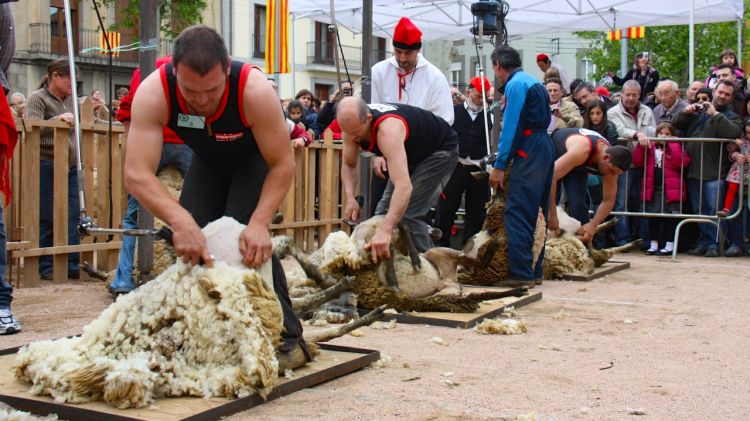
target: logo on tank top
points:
(228, 137)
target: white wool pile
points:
(192, 331)
(9, 414)
(339, 250)
(567, 223)
(566, 255)
(501, 326)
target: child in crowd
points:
(299, 136)
(663, 187)
(739, 153)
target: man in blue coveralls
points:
(525, 142)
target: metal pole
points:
(623, 57)
(335, 50)
(366, 49)
(277, 48)
(691, 44)
(739, 42)
(147, 59)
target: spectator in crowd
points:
(17, 104)
(472, 148)
(708, 118)
(407, 78)
(669, 101)
(726, 72)
(579, 152)
(174, 153)
(595, 118)
(524, 141)
(296, 112)
(692, 90)
(745, 110)
(633, 121)
(100, 109)
(121, 93)
(585, 95)
(572, 88)
(544, 63)
(551, 73)
(662, 189)
(309, 117)
(299, 136)
(564, 113)
(641, 72)
(328, 112)
(458, 97)
(739, 154)
(53, 101)
(8, 138)
(728, 58)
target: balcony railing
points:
(322, 53)
(43, 41)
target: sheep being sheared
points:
(429, 285)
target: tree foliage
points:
(175, 15)
(669, 48)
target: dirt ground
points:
(674, 333)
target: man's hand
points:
(379, 246)
(556, 111)
(586, 232)
(497, 177)
(352, 209)
(189, 243)
(553, 224)
(710, 109)
(379, 166)
(643, 140)
(255, 244)
(67, 117)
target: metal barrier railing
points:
(697, 216)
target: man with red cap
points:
(472, 147)
(544, 63)
(407, 78)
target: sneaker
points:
(651, 252)
(723, 213)
(733, 251)
(8, 323)
(664, 252)
(291, 359)
(712, 252)
(698, 251)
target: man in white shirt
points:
(544, 63)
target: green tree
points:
(669, 48)
(175, 15)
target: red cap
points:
(477, 84)
(542, 57)
(406, 35)
(603, 91)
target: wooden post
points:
(367, 49)
(60, 204)
(30, 201)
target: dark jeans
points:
(212, 191)
(46, 214)
(628, 186)
(705, 203)
(6, 290)
(576, 188)
(178, 155)
(477, 194)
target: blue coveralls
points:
(524, 140)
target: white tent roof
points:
(452, 18)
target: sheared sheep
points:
(431, 287)
(192, 331)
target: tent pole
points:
(623, 56)
(367, 49)
(739, 42)
(691, 44)
(294, 74)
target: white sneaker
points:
(8, 323)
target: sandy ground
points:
(674, 333)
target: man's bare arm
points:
(349, 177)
(609, 193)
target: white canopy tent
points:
(452, 18)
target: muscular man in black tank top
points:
(242, 167)
(421, 151)
(579, 152)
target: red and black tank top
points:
(226, 137)
(559, 137)
(425, 132)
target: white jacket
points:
(425, 87)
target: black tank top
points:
(560, 136)
(425, 132)
(226, 138)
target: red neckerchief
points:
(8, 139)
(402, 80)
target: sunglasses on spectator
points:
(703, 98)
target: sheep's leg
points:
(301, 305)
(606, 225)
(405, 233)
(310, 269)
(335, 332)
(486, 259)
(390, 273)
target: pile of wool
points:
(192, 331)
(501, 326)
(566, 255)
(10, 414)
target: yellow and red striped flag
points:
(614, 35)
(635, 32)
(277, 20)
(114, 42)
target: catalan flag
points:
(614, 35)
(277, 21)
(114, 43)
(635, 32)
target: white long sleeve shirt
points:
(425, 87)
